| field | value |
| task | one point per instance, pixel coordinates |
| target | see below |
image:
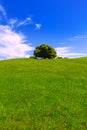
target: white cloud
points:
(67, 52)
(2, 10)
(12, 44)
(38, 26)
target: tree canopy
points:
(45, 51)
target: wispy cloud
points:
(28, 21)
(17, 23)
(67, 52)
(75, 46)
(38, 26)
(24, 22)
(81, 37)
(2, 10)
(12, 22)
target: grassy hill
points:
(43, 94)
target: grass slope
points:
(43, 94)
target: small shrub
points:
(32, 57)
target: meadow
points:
(43, 94)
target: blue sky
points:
(24, 24)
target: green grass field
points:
(43, 94)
